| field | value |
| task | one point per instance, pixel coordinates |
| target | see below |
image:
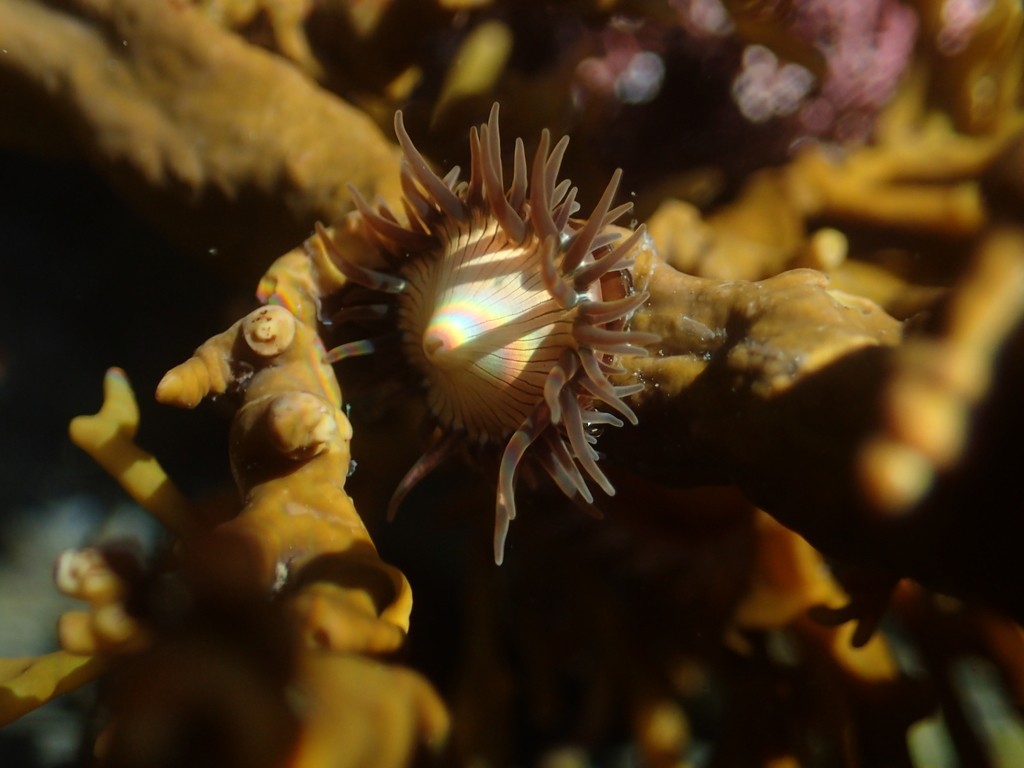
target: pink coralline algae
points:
(866, 47)
(702, 18)
(960, 19)
(831, 65)
(766, 88)
(629, 69)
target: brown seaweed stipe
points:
(500, 309)
(296, 553)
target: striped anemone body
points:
(479, 325)
(510, 309)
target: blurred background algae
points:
(812, 558)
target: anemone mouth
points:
(497, 297)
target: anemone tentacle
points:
(436, 455)
(499, 297)
(582, 244)
(440, 192)
(368, 278)
(515, 450)
(563, 464)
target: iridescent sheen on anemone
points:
(510, 310)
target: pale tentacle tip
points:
(501, 526)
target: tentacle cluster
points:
(510, 309)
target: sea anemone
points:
(510, 311)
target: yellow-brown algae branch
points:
(108, 437)
(767, 384)
(87, 636)
(204, 374)
(362, 712)
(864, 189)
(789, 577)
(775, 386)
(26, 684)
(330, 616)
(298, 279)
(253, 130)
(771, 333)
(980, 76)
(938, 381)
(290, 457)
(921, 176)
(286, 20)
(88, 574)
